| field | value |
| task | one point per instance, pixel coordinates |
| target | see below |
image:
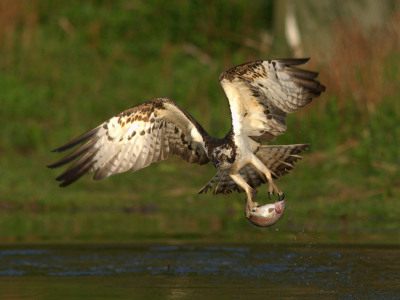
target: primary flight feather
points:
(259, 93)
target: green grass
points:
(67, 66)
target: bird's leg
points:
(272, 186)
(249, 192)
(254, 208)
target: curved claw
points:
(279, 196)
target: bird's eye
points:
(223, 156)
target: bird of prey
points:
(259, 94)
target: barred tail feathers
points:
(280, 159)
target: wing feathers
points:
(78, 140)
(310, 86)
(280, 159)
(107, 168)
(299, 73)
(260, 94)
(70, 157)
(135, 138)
(72, 170)
(290, 61)
(77, 175)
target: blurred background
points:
(66, 66)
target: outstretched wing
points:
(133, 139)
(260, 94)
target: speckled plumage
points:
(259, 94)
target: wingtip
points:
(293, 61)
(303, 60)
(89, 134)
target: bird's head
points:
(222, 158)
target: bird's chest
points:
(243, 154)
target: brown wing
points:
(260, 94)
(133, 139)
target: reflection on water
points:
(178, 272)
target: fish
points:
(266, 215)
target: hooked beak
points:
(216, 163)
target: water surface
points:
(195, 271)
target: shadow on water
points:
(240, 271)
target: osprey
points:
(259, 93)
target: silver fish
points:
(266, 215)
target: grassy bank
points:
(66, 67)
